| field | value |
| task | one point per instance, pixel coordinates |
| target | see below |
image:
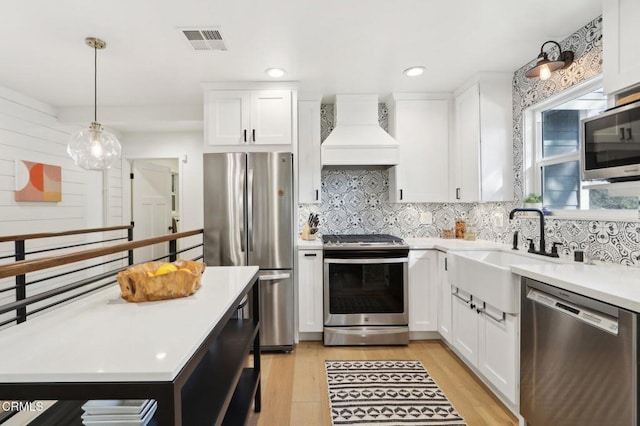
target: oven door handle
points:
(369, 260)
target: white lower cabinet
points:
(423, 290)
(465, 326)
(497, 350)
(444, 299)
(487, 339)
(310, 305)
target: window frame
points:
(533, 160)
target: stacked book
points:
(118, 412)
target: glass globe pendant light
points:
(94, 148)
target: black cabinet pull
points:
(457, 193)
(310, 255)
(253, 134)
(317, 194)
(245, 135)
(445, 264)
(401, 194)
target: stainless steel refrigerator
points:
(248, 220)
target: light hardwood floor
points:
(294, 388)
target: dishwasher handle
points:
(593, 318)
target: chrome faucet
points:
(543, 245)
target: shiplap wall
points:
(30, 131)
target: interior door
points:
(151, 207)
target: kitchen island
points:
(188, 354)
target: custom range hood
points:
(358, 139)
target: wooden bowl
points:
(136, 285)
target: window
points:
(552, 139)
(174, 194)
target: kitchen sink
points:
(486, 274)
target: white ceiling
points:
(331, 46)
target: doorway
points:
(154, 203)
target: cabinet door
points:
(465, 326)
(482, 160)
(466, 159)
(621, 45)
(309, 166)
(497, 350)
(271, 121)
(310, 305)
(444, 299)
(226, 118)
(423, 290)
(422, 129)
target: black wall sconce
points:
(544, 67)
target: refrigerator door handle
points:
(242, 234)
(250, 208)
(273, 277)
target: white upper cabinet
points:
(621, 44)
(271, 117)
(482, 155)
(420, 124)
(309, 165)
(226, 117)
(248, 117)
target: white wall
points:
(29, 130)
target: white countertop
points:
(309, 244)
(443, 244)
(104, 338)
(615, 284)
(422, 244)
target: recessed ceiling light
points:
(414, 71)
(275, 72)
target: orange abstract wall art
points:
(38, 182)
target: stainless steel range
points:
(365, 290)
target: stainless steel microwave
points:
(611, 144)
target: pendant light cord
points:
(95, 82)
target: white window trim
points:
(532, 131)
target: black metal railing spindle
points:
(21, 280)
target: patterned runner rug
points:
(386, 393)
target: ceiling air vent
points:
(205, 39)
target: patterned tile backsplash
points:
(357, 201)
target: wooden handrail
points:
(25, 266)
(61, 234)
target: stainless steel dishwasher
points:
(578, 362)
